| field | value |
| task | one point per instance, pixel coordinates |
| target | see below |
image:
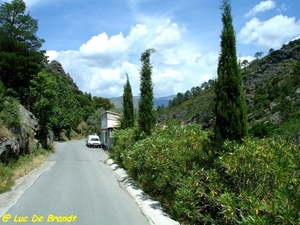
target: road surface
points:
(74, 186)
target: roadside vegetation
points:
(16, 169)
(213, 170)
(256, 182)
(27, 78)
(220, 174)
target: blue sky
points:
(98, 42)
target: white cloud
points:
(100, 64)
(282, 8)
(104, 51)
(295, 38)
(101, 44)
(167, 36)
(261, 7)
(51, 55)
(37, 3)
(271, 33)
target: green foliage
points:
(86, 103)
(94, 121)
(102, 103)
(198, 109)
(264, 178)
(20, 57)
(10, 113)
(258, 55)
(262, 130)
(256, 182)
(82, 129)
(290, 130)
(7, 171)
(146, 115)
(2, 95)
(281, 90)
(68, 114)
(194, 92)
(231, 115)
(43, 90)
(124, 140)
(162, 160)
(5, 178)
(161, 109)
(127, 119)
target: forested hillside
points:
(28, 78)
(272, 90)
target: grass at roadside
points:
(14, 170)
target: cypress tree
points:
(146, 119)
(231, 115)
(128, 110)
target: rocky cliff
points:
(19, 140)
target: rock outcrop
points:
(22, 140)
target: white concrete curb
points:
(150, 208)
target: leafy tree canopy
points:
(20, 57)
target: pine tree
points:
(146, 119)
(20, 55)
(231, 115)
(127, 119)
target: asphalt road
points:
(74, 186)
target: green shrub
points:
(162, 159)
(264, 180)
(2, 95)
(290, 130)
(256, 182)
(10, 113)
(262, 130)
(123, 142)
(5, 178)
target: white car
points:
(93, 141)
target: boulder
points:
(276, 118)
(272, 105)
(23, 140)
(9, 149)
(28, 119)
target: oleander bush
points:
(264, 182)
(256, 182)
(124, 139)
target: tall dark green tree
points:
(231, 115)
(68, 113)
(146, 115)
(20, 55)
(127, 119)
(43, 90)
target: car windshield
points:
(94, 139)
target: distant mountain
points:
(163, 100)
(118, 101)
